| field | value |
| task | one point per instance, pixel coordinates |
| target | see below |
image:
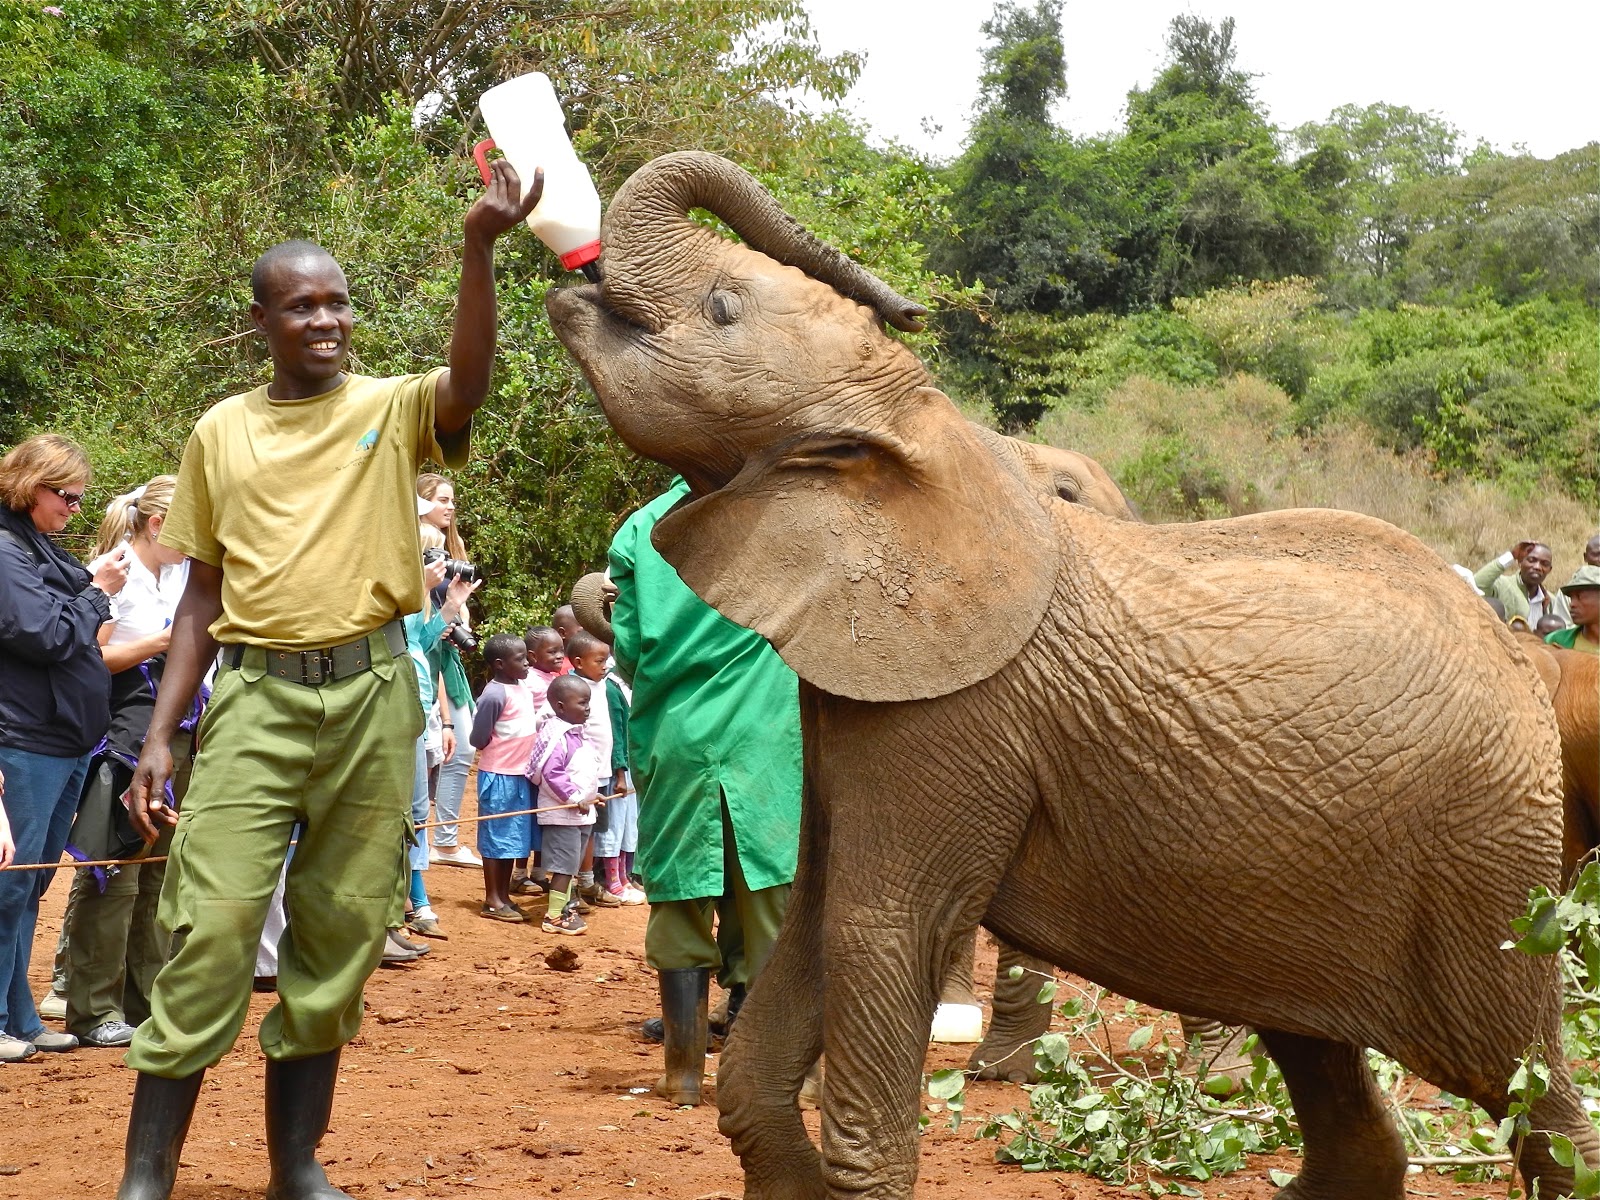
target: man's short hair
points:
(295, 248)
(583, 642)
(568, 686)
(502, 646)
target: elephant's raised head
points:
(841, 506)
(700, 347)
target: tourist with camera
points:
(436, 505)
(115, 944)
(426, 643)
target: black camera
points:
(454, 568)
(459, 636)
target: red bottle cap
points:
(587, 253)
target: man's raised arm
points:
(464, 387)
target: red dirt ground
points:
(479, 1072)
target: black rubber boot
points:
(652, 1029)
(736, 995)
(684, 995)
(299, 1103)
(157, 1125)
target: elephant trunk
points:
(592, 607)
(655, 256)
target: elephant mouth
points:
(578, 314)
(593, 332)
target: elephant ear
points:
(882, 566)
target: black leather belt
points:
(316, 667)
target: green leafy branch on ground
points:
(1135, 1117)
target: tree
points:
(1044, 220)
(1385, 148)
(1025, 71)
(1514, 227)
(1223, 206)
(1201, 59)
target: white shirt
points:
(147, 601)
(597, 729)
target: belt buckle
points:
(317, 666)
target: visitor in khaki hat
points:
(1583, 597)
(296, 507)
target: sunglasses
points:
(71, 499)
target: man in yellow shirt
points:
(296, 507)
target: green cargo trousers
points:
(732, 933)
(337, 759)
(115, 946)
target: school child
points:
(589, 656)
(566, 769)
(546, 654)
(565, 622)
(616, 839)
(503, 731)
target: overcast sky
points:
(1508, 72)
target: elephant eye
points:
(1067, 492)
(725, 307)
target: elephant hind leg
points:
(1559, 1110)
(1221, 1051)
(1018, 1020)
(1351, 1146)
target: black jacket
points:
(55, 691)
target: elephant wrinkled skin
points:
(1572, 680)
(1193, 763)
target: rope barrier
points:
(73, 864)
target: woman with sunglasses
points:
(54, 699)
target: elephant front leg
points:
(1018, 1021)
(878, 1010)
(777, 1040)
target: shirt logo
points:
(365, 446)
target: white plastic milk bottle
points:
(526, 123)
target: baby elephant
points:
(1189, 762)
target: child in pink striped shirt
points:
(503, 731)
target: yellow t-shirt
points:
(310, 508)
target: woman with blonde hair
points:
(436, 508)
(54, 699)
(114, 945)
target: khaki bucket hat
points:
(1585, 577)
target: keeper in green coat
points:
(714, 742)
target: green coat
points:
(715, 714)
